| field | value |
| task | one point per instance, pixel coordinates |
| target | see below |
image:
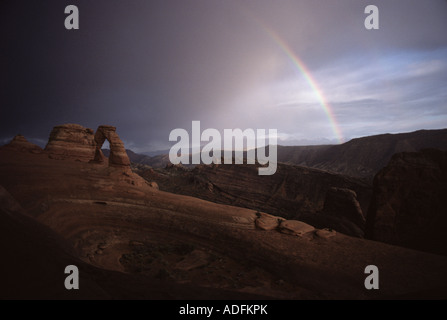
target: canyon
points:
(138, 236)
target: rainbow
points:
(298, 63)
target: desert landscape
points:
(182, 151)
(194, 233)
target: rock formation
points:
(408, 205)
(118, 155)
(71, 141)
(19, 143)
(295, 227)
(267, 222)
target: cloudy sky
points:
(307, 68)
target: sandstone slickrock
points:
(294, 227)
(153, 185)
(20, 143)
(71, 141)
(7, 202)
(409, 202)
(325, 233)
(241, 258)
(195, 259)
(267, 222)
(118, 155)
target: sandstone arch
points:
(118, 155)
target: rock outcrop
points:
(19, 143)
(71, 141)
(295, 227)
(118, 156)
(409, 202)
(267, 222)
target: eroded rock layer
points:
(71, 141)
(118, 155)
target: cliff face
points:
(408, 205)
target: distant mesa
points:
(362, 157)
(19, 143)
(73, 141)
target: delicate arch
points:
(118, 155)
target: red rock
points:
(267, 222)
(294, 227)
(71, 141)
(154, 185)
(325, 233)
(19, 143)
(118, 155)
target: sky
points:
(308, 68)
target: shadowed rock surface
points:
(34, 258)
(293, 192)
(344, 202)
(408, 206)
(342, 212)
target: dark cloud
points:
(148, 67)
